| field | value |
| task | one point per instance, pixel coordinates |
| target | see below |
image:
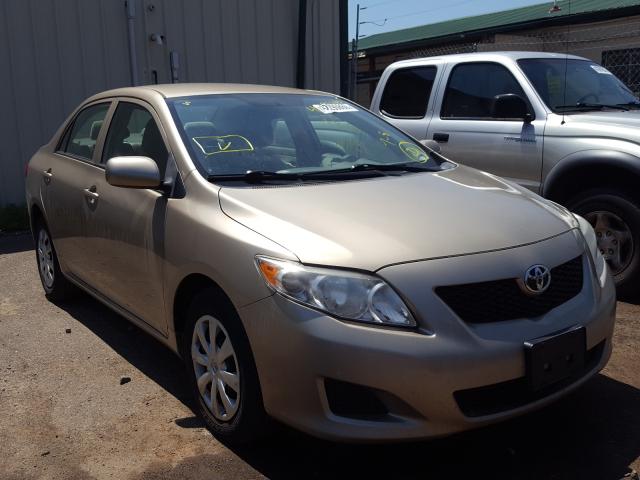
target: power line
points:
(379, 4)
(420, 12)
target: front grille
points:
(501, 300)
(505, 396)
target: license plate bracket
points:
(555, 357)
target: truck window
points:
(407, 92)
(472, 87)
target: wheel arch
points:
(35, 215)
(188, 287)
(585, 170)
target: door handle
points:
(441, 137)
(47, 174)
(91, 194)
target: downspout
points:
(344, 48)
(131, 27)
(302, 44)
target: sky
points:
(410, 13)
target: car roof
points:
(172, 90)
(477, 56)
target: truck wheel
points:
(221, 370)
(55, 284)
(616, 221)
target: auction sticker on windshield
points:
(334, 107)
(601, 69)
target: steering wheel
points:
(583, 99)
(332, 147)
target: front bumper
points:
(418, 372)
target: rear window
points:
(80, 139)
(407, 92)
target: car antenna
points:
(554, 9)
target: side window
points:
(472, 88)
(407, 92)
(134, 132)
(80, 139)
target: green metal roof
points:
(491, 20)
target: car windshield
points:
(291, 136)
(587, 86)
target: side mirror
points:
(510, 105)
(133, 172)
(431, 145)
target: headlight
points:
(592, 242)
(348, 295)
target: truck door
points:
(468, 130)
(406, 99)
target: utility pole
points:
(354, 54)
(353, 71)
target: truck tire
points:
(616, 219)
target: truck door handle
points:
(441, 137)
(47, 174)
(91, 194)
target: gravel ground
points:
(65, 414)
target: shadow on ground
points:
(14, 243)
(592, 434)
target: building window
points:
(407, 92)
(624, 64)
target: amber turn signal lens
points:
(270, 272)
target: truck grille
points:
(501, 300)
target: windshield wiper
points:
(592, 106)
(253, 176)
(258, 176)
(629, 104)
(372, 167)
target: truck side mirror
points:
(511, 106)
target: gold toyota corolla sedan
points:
(315, 265)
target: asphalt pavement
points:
(85, 395)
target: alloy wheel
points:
(216, 367)
(45, 258)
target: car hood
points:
(371, 223)
(610, 123)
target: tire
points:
(616, 219)
(55, 284)
(245, 419)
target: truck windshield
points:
(287, 137)
(587, 86)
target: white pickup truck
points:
(561, 125)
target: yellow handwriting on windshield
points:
(223, 144)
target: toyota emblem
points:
(537, 279)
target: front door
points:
(465, 127)
(125, 229)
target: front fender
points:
(587, 160)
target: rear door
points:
(66, 175)
(406, 99)
(468, 133)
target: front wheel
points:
(616, 221)
(221, 370)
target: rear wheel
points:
(616, 221)
(55, 284)
(222, 371)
